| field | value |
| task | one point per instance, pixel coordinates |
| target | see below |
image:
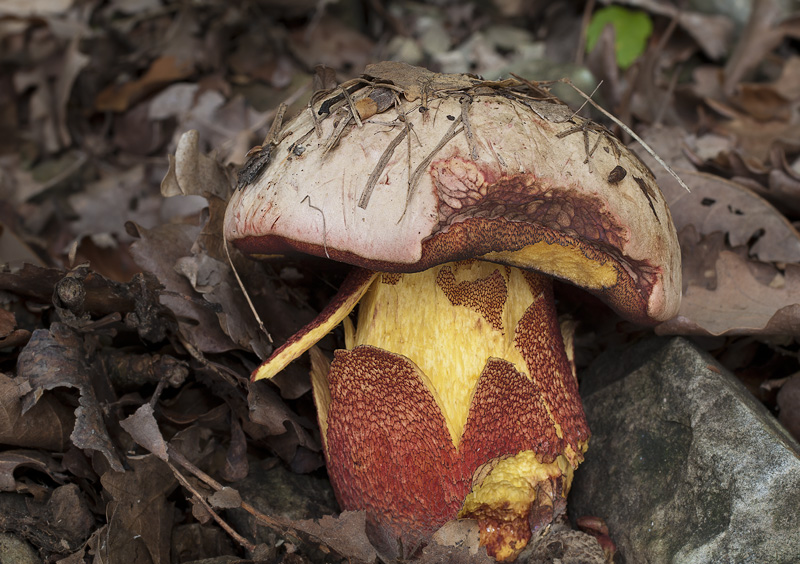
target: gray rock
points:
(14, 549)
(684, 464)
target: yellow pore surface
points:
(450, 343)
(511, 485)
(566, 262)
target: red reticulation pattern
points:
(389, 450)
(487, 296)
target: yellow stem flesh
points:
(415, 315)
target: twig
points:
(473, 148)
(412, 181)
(244, 290)
(282, 526)
(376, 172)
(630, 132)
(275, 128)
(220, 521)
(352, 107)
(324, 227)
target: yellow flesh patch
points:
(449, 343)
(566, 262)
(311, 334)
(511, 485)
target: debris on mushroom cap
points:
(404, 169)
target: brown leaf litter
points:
(131, 430)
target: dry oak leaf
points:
(345, 533)
(158, 250)
(716, 204)
(12, 460)
(143, 428)
(57, 358)
(47, 425)
(740, 304)
(140, 518)
(164, 70)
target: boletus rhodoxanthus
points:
(457, 200)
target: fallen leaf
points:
(281, 428)
(193, 173)
(139, 515)
(52, 85)
(769, 23)
(28, 8)
(715, 204)
(158, 250)
(226, 498)
(713, 32)
(12, 460)
(104, 206)
(699, 253)
(740, 304)
(214, 280)
(47, 425)
(68, 514)
(333, 44)
(143, 428)
(162, 71)
(236, 463)
(56, 358)
(344, 533)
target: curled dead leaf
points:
(57, 358)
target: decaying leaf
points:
(194, 173)
(345, 533)
(142, 426)
(162, 71)
(46, 425)
(105, 206)
(157, 251)
(716, 204)
(11, 460)
(59, 522)
(57, 358)
(285, 430)
(741, 304)
(140, 517)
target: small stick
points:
(628, 130)
(376, 172)
(282, 526)
(352, 108)
(473, 148)
(277, 123)
(412, 182)
(324, 227)
(244, 291)
(220, 521)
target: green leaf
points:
(632, 28)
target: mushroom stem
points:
(456, 380)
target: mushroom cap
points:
(406, 169)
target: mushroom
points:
(457, 200)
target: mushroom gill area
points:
(455, 382)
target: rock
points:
(684, 464)
(14, 549)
